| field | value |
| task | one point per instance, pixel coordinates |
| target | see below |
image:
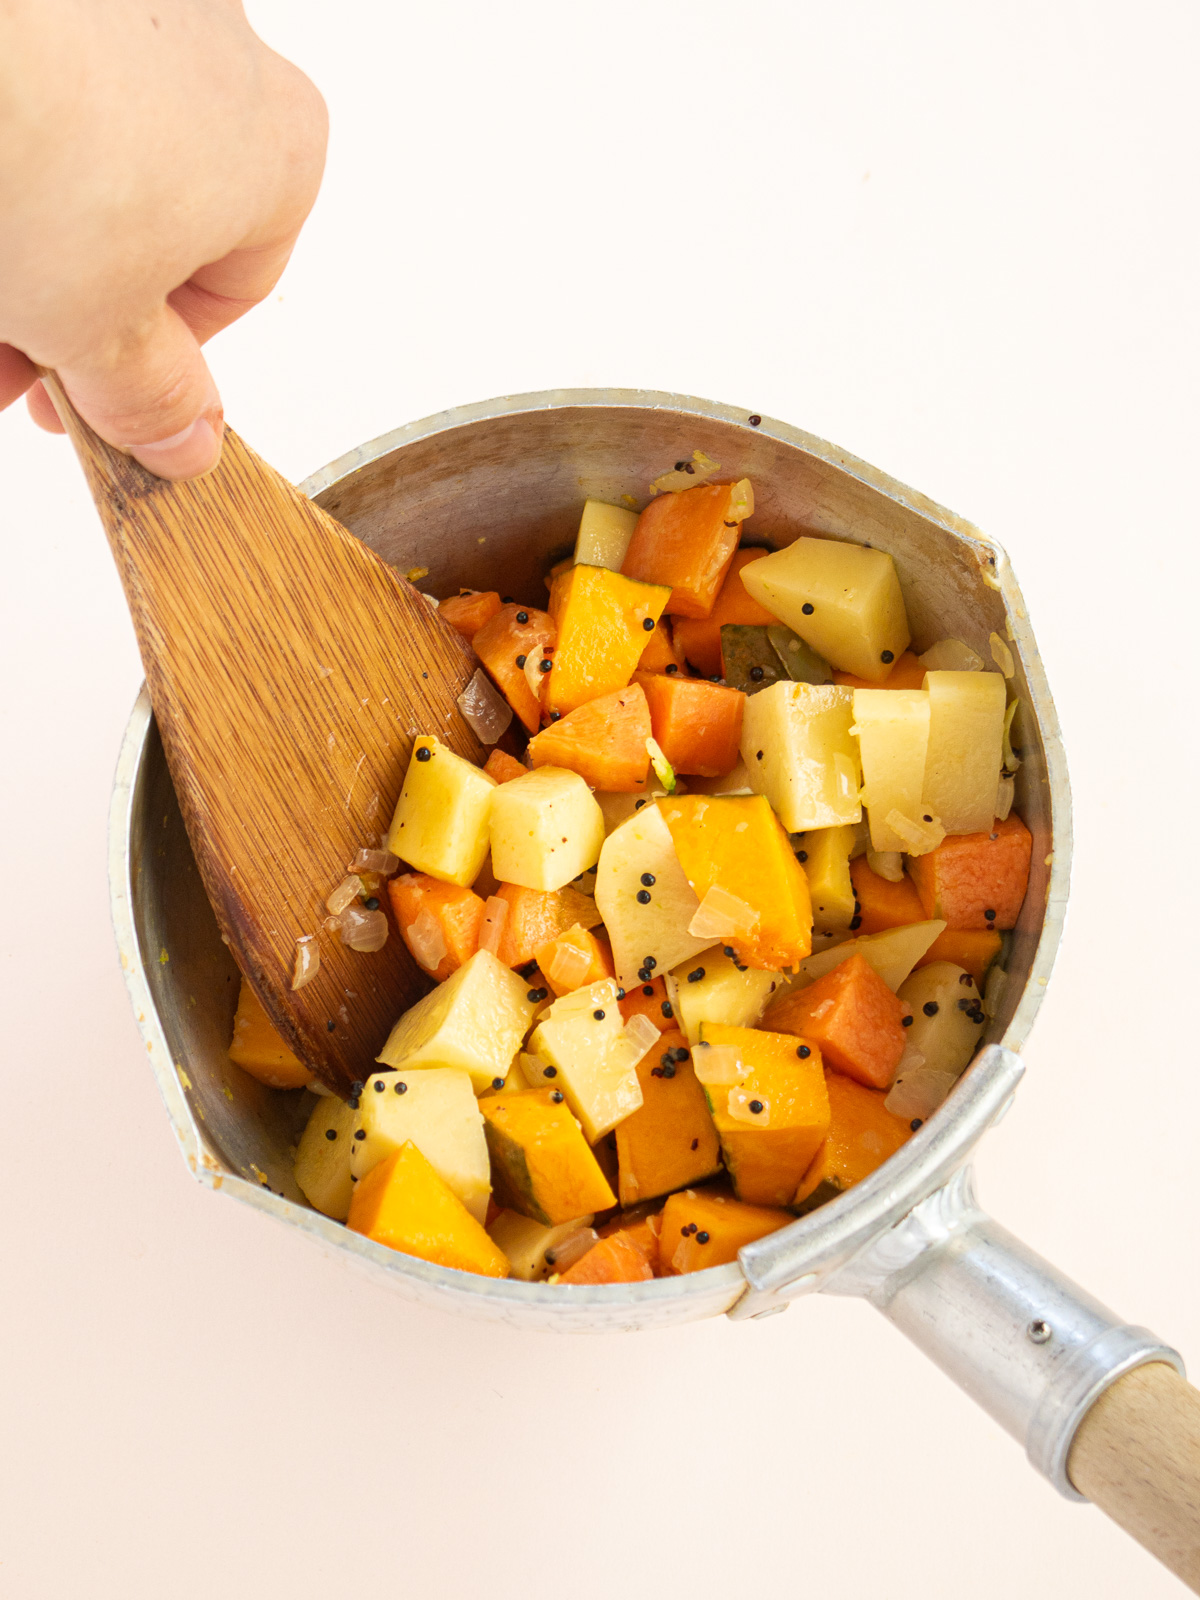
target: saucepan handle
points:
(1102, 1407)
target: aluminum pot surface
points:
(488, 496)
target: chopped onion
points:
(534, 673)
(919, 838)
(349, 889)
(1006, 793)
(993, 991)
(701, 467)
(363, 930)
(568, 966)
(720, 914)
(718, 1064)
(888, 864)
(1001, 655)
(951, 655)
(491, 929)
(639, 1035)
(741, 1100)
(567, 1250)
(381, 861)
(741, 501)
(919, 1094)
(663, 770)
(425, 939)
(488, 712)
(1008, 756)
(308, 961)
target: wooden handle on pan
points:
(1137, 1456)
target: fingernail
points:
(190, 453)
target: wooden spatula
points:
(289, 668)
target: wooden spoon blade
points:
(290, 669)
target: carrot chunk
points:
(468, 611)
(698, 725)
(973, 952)
(908, 673)
(699, 638)
(603, 619)
(976, 881)
(853, 1016)
(603, 741)
(436, 920)
(573, 960)
(535, 916)
(705, 1228)
(620, 1258)
(882, 904)
(503, 767)
(650, 1000)
(504, 644)
(862, 1135)
(687, 541)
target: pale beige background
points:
(959, 240)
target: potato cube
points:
(947, 1016)
(800, 753)
(323, 1157)
(546, 829)
(655, 926)
(966, 733)
(893, 953)
(440, 825)
(604, 535)
(529, 1244)
(842, 599)
(580, 1037)
(438, 1111)
(827, 868)
(892, 727)
(725, 994)
(475, 1021)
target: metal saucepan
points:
(488, 496)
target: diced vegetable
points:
(603, 619)
(438, 1111)
(883, 904)
(947, 1013)
(893, 953)
(541, 1163)
(966, 730)
(503, 767)
(970, 875)
(662, 654)
(530, 1245)
(403, 1204)
(536, 916)
(827, 868)
(907, 672)
(918, 1092)
(603, 741)
(852, 1015)
(476, 1021)
(621, 1258)
(842, 599)
(862, 1135)
(468, 611)
(670, 1140)
(505, 644)
(650, 1000)
(800, 753)
(323, 1157)
(581, 1038)
(686, 541)
(738, 845)
(259, 1049)
(974, 952)
(705, 1228)
(439, 922)
(771, 1122)
(440, 825)
(699, 638)
(604, 534)
(698, 725)
(645, 920)
(892, 726)
(574, 960)
(725, 993)
(545, 829)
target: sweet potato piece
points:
(976, 881)
(699, 638)
(882, 904)
(603, 619)
(503, 767)
(670, 1140)
(573, 960)
(706, 1228)
(620, 1258)
(685, 540)
(503, 642)
(662, 654)
(973, 952)
(404, 1204)
(853, 1016)
(436, 908)
(908, 673)
(259, 1049)
(698, 725)
(535, 916)
(650, 1000)
(541, 1163)
(468, 611)
(862, 1135)
(736, 844)
(603, 741)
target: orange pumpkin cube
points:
(698, 725)
(573, 960)
(469, 610)
(436, 920)
(699, 638)
(603, 619)
(852, 1015)
(535, 916)
(603, 741)
(882, 904)
(404, 1204)
(862, 1135)
(650, 1000)
(976, 881)
(670, 1140)
(542, 1166)
(737, 845)
(907, 673)
(260, 1049)
(972, 951)
(706, 1228)
(686, 541)
(505, 644)
(662, 654)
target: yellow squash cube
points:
(437, 1110)
(546, 829)
(725, 994)
(323, 1157)
(440, 825)
(966, 735)
(827, 868)
(800, 753)
(475, 1021)
(892, 727)
(893, 953)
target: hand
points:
(156, 164)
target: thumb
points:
(151, 395)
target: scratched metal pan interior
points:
(488, 496)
